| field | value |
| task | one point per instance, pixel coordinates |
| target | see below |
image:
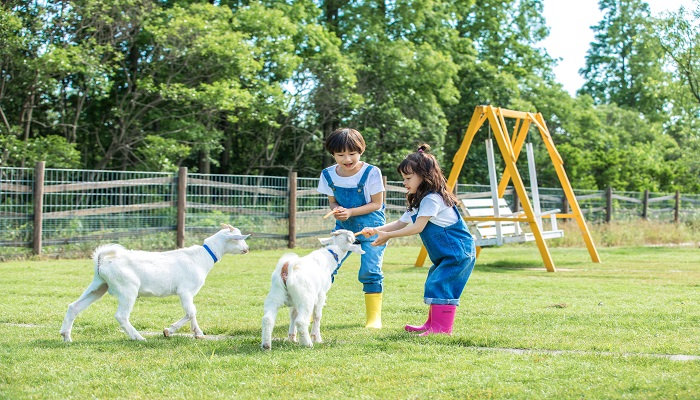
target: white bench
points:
(497, 233)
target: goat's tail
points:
(284, 266)
(105, 253)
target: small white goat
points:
(302, 283)
(128, 274)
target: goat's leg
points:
(268, 324)
(126, 304)
(292, 333)
(190, 315)
(94, 292)
(302, 324)
(316, 327)
(198, 333)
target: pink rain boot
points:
(421, 328)
(442, 317)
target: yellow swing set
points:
(510, 148)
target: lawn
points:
(626, 328)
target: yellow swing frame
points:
(510, 150)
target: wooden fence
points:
(283, 209)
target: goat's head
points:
(235, 241)
(344, 239)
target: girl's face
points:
(411, 182)
(348, 162)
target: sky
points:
(571, 34)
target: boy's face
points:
(348, 162)
(411, 182)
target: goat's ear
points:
(335, 233)
(325, 241)
(356, 248)
(239, 237)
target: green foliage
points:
(54, 150)
(160, 154)
(253, 87)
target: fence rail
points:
(56, 207)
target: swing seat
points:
(489, 233)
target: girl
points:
(433, 212)
(355, 193)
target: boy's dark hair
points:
(427, 167)
(345, 139)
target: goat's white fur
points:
(308, 280)
(128, 274)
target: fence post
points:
(385, 180)
(608, 204)
(645, 204)
(292, 185)
(181, 206)
(38, 206)
(564, 204)
(516, 202)
(677, 207)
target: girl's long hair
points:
(425, 165)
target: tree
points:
(624, 65)
(679, 36)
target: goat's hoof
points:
(293, 338)
(199, 336)
(265, 346)
(166, 332)
(66, 337)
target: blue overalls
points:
(452, 253)
(370, 274)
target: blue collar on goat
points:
(211, 253)
(334, 256)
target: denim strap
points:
(328, 179)
(363, 180)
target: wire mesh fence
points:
(16, 203)
(84, 205)
(83, 208)
(254, 204)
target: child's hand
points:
(342, 213)
(367, 232)
(382, 238)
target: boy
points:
(355, 193)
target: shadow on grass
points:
(229, 345)
(449, 340)
(501, 266)
(504, 266)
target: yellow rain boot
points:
(373, 303)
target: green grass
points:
(586, 331)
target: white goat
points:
(301, 283)
(128, 274)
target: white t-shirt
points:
(434, 207)
(373, 185)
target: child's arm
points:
(344, 213)
(396, 229)
(391, 226)
(332, 203)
